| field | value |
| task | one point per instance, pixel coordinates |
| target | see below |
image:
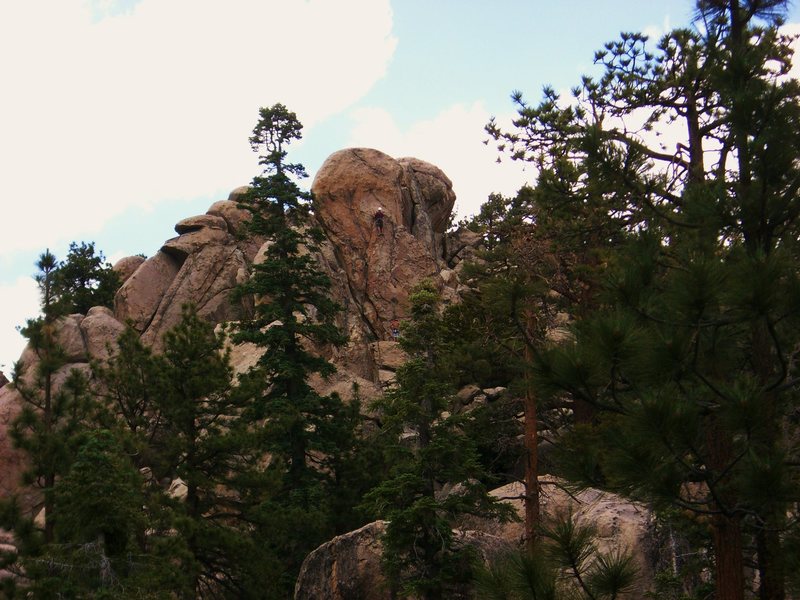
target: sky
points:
(118, 118)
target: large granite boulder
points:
(349, 566)
(619, 523)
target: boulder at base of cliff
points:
(349, 566)
(618, 523)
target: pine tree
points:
(52, 414)
(207, 442)
(689, 357)
(421, 555)
(84, 280)
(294, 314)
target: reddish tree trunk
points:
(531, 459)
(729, 576)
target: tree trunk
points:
(726, 530)
(770, 567)
(729, 575)
(531, 459)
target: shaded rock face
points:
(349, 566)
(380, 268)
(13, 461)
(619, 524)
(201, 266)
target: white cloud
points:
(656, 32)
(20, 302)
(156, 102)
(453, 141)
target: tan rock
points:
(70, 338)
(349, 566)
(238, 194)
(206, 279)
(12, 460)
(619, 523)
(494, 393)
(435, 191)
(389, 354)
(125, 267)
(200, 222)
(347, 385)
(140, 296)
(449, 278)
(468, 393)
(386, 378)
(381, 269)
(235, 217)
(101, 330)
(178, 490)
(193, 240)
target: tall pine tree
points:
(302, 430)
(690, 355)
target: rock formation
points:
(349, 566)
(619, 524)
(379, 269)
(200, 266)
(371, 277)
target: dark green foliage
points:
(130, 384)
(309, 437)
(428, 450)
(53, 415)
(96, 550)
(688, 347)
(206, 441)
(84, 279)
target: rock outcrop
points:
(371, 276)
(619, 523)
(200, 266)
(349, 566)
(380, 268)
(83, 339)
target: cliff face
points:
(371, 271)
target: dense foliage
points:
(687, 352)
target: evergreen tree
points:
(421, 555)
(302, 430)
(523, 280)
(84, 280)
(128, 386)
(689, 356)
(209, 445)
(52, 414)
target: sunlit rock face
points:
(382, 267)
